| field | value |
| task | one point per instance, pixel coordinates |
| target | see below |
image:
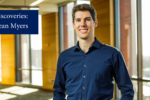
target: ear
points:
(96, 23)
(73, 25)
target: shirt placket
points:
(84, 78)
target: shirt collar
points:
(95, 44)
(76, 48)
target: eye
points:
(78, 20)
(87, 19)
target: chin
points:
(84, 38)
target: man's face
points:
(84, 24)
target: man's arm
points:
(122, 77)
(59, 85)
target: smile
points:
(83, 30)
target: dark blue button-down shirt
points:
(89, 76)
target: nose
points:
(83, 23)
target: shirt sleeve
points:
(59, 85)
(122, 77)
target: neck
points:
(85, 44)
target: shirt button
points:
(83, 99)
(84, 65)
(84, 76)
(85, 55)
(83, 87)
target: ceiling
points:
(46, 6)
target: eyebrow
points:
(85, 18)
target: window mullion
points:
(117, 36)
(139, 46)
(30, 60)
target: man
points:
(86, 71)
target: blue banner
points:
(18, 21)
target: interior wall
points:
(8, 59)
(105, 15)
(50, 49)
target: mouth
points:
(83, 30)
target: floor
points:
(24, 93)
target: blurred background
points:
(28, 62)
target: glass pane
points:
(128, 35)
(37, 78)
(146, 90)
(70, 29)
(24, 76)
(24, 51)
(36, 48)
(146, 38)
(67, 36)
(135, 87)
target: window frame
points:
(139, 78)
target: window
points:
(29, 58)
(146, 38)
(67, 35)
(133, 39)
(145, 8)
(36, 57)
(126, 37)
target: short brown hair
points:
(84, 7)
